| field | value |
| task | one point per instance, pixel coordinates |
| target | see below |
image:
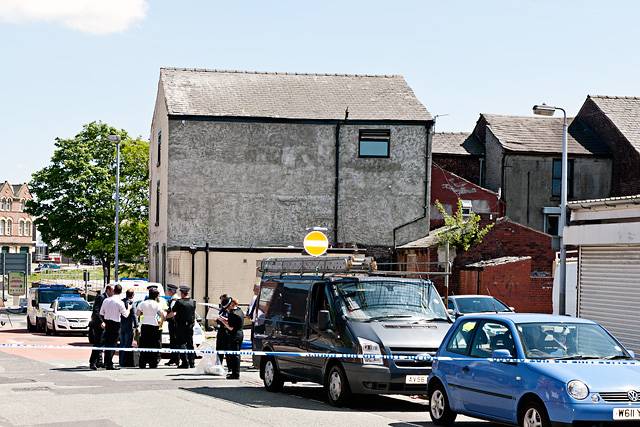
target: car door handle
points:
(466, 369)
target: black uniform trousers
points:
(110, 339)
(184, 341)
(222, 337)
(234, 342)
(174, 357)
(150, 337)
(95, 338)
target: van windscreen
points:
(379, 299)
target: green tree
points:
(461, 232)
(74, 201)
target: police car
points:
(68, 313)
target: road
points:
(56, 388)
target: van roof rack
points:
(319, 265)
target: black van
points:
(348, 314)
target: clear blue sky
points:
(460, 57)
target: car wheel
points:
(30, 327)
(441, 413)
(337, 386)
(271, 377)
(534, 414)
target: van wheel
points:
(271, 376)
(441, 413)
(337, 386)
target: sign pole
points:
(3, 272)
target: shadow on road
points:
(310, 398)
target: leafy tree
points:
(461, 232)
(74, 201)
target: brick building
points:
(17, 233)
(460, 153)
(447, 188)
(506, 239)
(616, 121)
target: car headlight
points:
(61, 319)
(577, 389)
(370, 349)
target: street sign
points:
(316, 243)
(17, 286)
(14, 262)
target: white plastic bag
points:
(209, 364)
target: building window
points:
(467, 208)
(3, 226)
(157, 203)
(556, 179)
(21, 228)
(159, 147)
(9, 204)
(27, 227)
(9, 226)
(374, 143)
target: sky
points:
(64, 63)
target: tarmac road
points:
(56, 388)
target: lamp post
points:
(116, 139)
(547, 110)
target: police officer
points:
(222, 333)
(96, 330)
(172, 293)
(233, 323)
(184, 315)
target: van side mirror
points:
(324, 320)
(451, 312)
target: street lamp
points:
(116, 139)
(547, 110)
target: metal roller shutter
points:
(609, 290)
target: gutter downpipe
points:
(427, 186)
(336, 191)
(206, 285)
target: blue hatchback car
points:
(564, 371)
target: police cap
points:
(172, 287)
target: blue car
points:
(534, 370)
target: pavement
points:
(56, 388)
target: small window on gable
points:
(467, 208)
(374, 143)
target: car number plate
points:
(416, 379)
(626, 414)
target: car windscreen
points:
(47, 296)
(568, 341)
(480, 305)
(381, 299)
(73, 305)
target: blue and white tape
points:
(417, 357)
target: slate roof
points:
(537, 134)
(427, 241)
(221, 93)
(456, 143)
(624, 113)
(497, 261)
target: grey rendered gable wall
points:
(493, 161)
(262, 184)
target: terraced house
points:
(17, 233)
(246, 161)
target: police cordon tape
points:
(418, 357)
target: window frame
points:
(570, 176)
(373, 135)
(157, 222)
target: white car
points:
(68, 314)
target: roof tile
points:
(624, 113)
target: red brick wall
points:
(505, 239)
(511, 283)
(468, 167)
(626, 160)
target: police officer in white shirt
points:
(110, 312)
(150, 333)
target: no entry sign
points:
(316, 243)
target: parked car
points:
(40, 298)
(360, 314)
(542, 376)
(68, 313)
(47, 266)
(459, 305)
